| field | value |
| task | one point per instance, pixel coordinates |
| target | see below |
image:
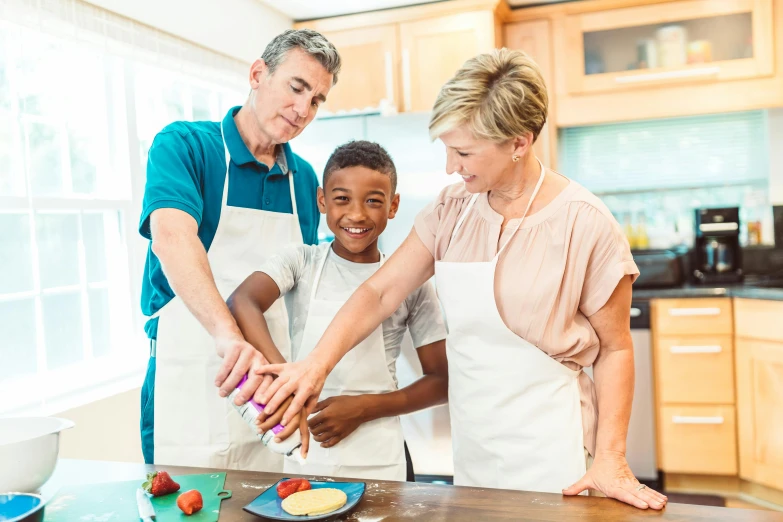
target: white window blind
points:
(677, 153)
(82, 94)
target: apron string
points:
(464, 214)
(292, 192)
(529, 204)
(224, 201)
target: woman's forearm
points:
(614, 382)
(364, 311)
(374, 301)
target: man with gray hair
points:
(221, 198)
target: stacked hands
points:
(332, 420)
(289, 389)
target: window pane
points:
(6, 44)
(12, 179)
(159, 101)
(57, 236)
(202, 110)
(99, 321)
(16, 257)
(86, 118)
(84, 170)
(40, 62)
(17, 351)
(44, 159)
(94, 247)
(62, 317)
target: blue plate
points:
(269, 505)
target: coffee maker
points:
(717, 252)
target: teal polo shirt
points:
(186, 170)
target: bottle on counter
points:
(628, 228)
(250, 412)
(642, 238)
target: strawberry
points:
(160, 483)
(190, 502)
(289, 487)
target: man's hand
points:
(239, 359)
(338, 417)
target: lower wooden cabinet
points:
(698, 439)
(760, 410)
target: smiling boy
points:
(356, 423)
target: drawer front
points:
(711, 316)
(695, 369)
(698, 439)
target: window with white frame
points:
(76, 121)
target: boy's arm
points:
(338, 417)
(248, 303)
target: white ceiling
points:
(311, 9)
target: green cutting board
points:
(116, 501)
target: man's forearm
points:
(187, 269)
(428, 391)
(614, 380)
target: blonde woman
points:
(535, 276)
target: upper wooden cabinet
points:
(400, 58)
(433, 50)
(625, 60)
(534, 38)
(370, 68)
(662, 44)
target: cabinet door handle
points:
(682, 419)
(669, 75)
(685, 312)
(696, 349)
(389, 77)
(406, 79)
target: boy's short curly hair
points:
(361, 153)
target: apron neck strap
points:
(529, 204)
(228, 165)
(320, 269)
(224, 203)
(464, 215)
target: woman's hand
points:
(303, 379)
(611, 475)
(337, 417)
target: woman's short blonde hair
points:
(501, 95)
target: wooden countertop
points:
(392, 501)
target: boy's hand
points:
(266, 422)
(338, 417)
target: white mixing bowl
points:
(28, 451)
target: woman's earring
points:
(514, 158)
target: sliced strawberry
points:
(190, 502)
(289, 487)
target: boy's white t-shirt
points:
(293, 270)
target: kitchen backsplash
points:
(653, 174)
